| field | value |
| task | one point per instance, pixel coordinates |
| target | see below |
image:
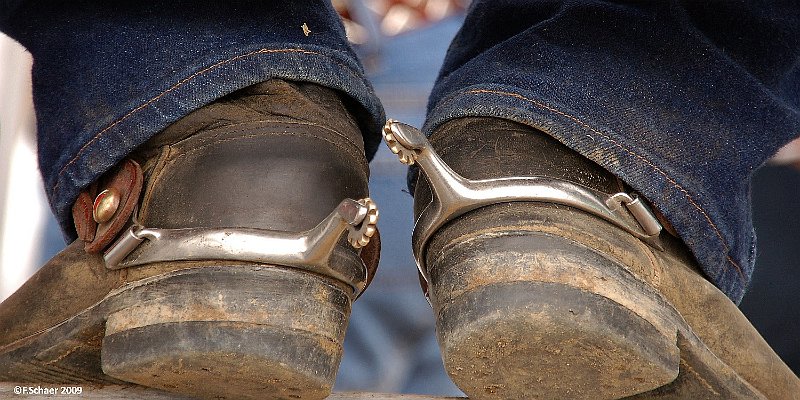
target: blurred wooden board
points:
(9, 391)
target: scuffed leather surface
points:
(485, 148)
(491, 148)
(69, 283)
(275, 156)
(282, 154)
(82, 214)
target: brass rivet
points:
(105, 205)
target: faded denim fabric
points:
(107, 76)
(682, 100)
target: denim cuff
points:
(177, 96)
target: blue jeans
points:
(682, 100)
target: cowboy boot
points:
(557, 281)
(224, 267)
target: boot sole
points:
(523, 312)
(212, 332)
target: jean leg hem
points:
(179, 95)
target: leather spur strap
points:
(102, 210)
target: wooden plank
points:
(133, 392)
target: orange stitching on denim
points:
(670, 180)
(162, 94)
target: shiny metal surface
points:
(453, 195)
(310, 250)
(105, 205)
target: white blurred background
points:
(24, 214)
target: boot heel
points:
(230, 332)
(522, 313)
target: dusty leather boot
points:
(562, 284)
(224, 267)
